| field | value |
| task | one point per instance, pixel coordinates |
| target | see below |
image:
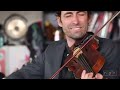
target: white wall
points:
(32, 16)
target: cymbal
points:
(16, 27)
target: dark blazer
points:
(49, 62)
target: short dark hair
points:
(58, 13)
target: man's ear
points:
(59, 21)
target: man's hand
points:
(85, 75)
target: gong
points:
(15, 26)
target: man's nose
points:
(75, 20)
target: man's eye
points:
(69, 15)
(81, 14)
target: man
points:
(75, 25)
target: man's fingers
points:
(83, 74)
(90, 75)
(99, 76)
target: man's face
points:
(74, 23)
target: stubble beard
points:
(77, 35)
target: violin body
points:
(88, 59)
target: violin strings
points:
(85, 64)
(82, 63)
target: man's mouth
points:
(76, 28)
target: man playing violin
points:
(75, 26)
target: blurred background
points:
(25, 34)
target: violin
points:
(84, 55)
(88, 58)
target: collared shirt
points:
(65, 74)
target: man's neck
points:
(70, 41)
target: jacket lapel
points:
(54, 60)
(59, 56)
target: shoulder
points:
(107, 47)
(55, 44)
(110, 49)
(109, 44)
(105, 41)
(106, 44)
